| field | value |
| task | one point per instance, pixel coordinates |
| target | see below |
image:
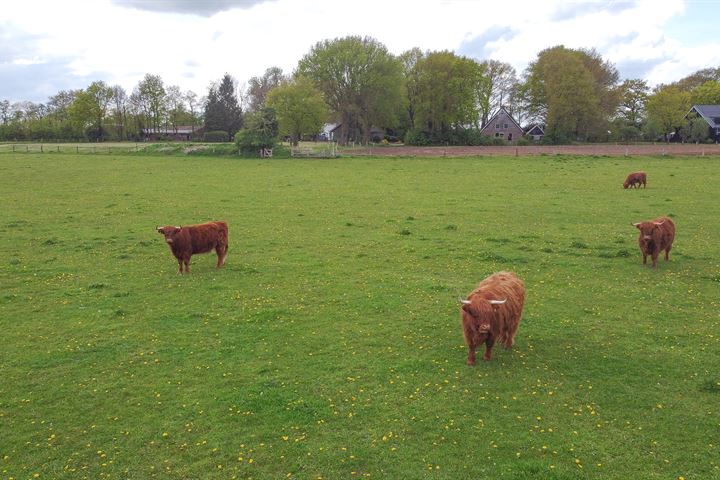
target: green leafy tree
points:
(411, 73)
(259, 132)
(89, 109)
(633, 96)
(300, 108)
(696, 79)
(697, 129)
(448, 87)
(360, 80)
(706, 94)
(150, 94)
(222, 110)
(666, 110)
(573, 92)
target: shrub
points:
(260, 131)
(523, 142)
(497, 141)
(215, 136)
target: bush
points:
(260, 131)
(417, 137)
(523, 142)
(499, 142)
(215, 136)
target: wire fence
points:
(72, 148)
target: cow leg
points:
(471, 354)
(654, 259)
(644, 259)
(667, 253)
(488, 348)
(221, 251)
(186, 261)
(180, 265)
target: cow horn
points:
(635, 224)
(179, 228)
(158, 228)
(659, 223)
(464, 302)
(497, 302)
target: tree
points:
(120, 110)
(222, 111)
(573, 92)
(498, 88)
(448, 87)
(89, 109)
(175, 101)
(697, 128)
(411, 73)
(151, 96)
(260, 131)
(706, 94)
(633, 96)
(360, 80)
(259, 87)
(696, 79)
(666, 109)
(300, 108)
(191, 99)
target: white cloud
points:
(192, 43)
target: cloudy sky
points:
(53, 45)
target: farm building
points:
(535, 133)
(503, 125)
(711, 115)
(180, 133)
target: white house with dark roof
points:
(711, 115)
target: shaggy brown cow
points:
(635, 179)
(492, 313)
(191, 239)
(655, 236)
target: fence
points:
(321, 150)
(71, 148)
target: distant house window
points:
(506, 125)
(497, 125)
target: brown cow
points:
(492, 313)
(191, 239)
(635, 179)
(655, 236)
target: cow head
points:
(480, 313)
(169, 233)
(647, 229)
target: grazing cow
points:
(655, 236)
(492, 313)
(191, 239)
(635, 179)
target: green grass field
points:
(330, 345)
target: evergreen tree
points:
(222, 110)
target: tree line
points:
(422, 98)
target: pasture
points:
(330, 346)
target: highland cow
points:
(188, 240)
(655, 236)
(492, 313)
(635, 179)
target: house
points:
(503, 125)
(711, 115)
(180, 133)
(331, 132)
(535, 132)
